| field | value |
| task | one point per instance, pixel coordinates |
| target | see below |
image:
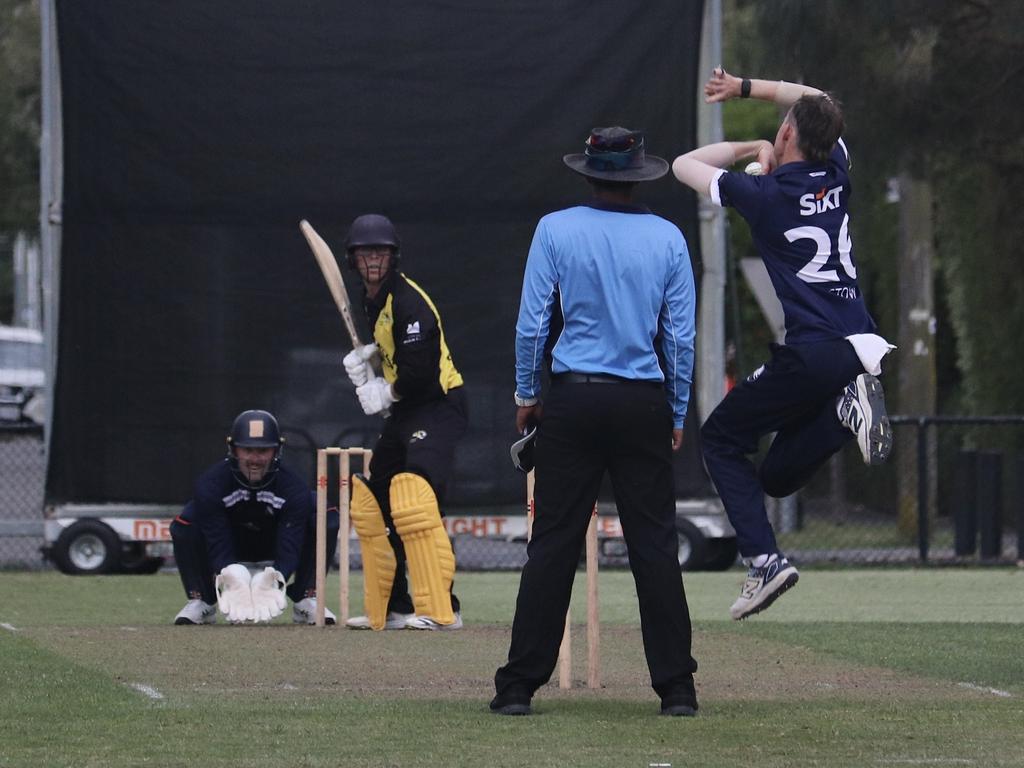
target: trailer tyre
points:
(723, 554)
(693, 546)
(87, 547)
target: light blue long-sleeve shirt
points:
(623, 278)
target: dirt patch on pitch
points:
(283, 660)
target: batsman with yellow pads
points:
(396, 513)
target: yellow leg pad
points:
(378, 556)
(427, 548)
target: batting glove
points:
(268, 595)
(357, 364)
(375, 396)
(234, 595)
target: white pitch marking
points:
(983, 689)
(10, 627)
(927, 761)
(148, 690)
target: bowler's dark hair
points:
(819, 124)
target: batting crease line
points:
(147, 690)
(994, 691)
(10, 627)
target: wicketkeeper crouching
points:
(250, 508)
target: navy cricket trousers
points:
(793, 395)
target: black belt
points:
(597, 378)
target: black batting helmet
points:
(255, 429)
(372, 229)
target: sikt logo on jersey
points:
(821, 201)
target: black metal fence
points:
(952, 492)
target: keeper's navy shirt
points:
(234, 519)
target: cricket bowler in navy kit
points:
(396, 512)
(247, 508)
(818, 391)
(620, 386)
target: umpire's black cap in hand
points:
(617, 154)
(522, 451)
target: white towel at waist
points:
(870, 348)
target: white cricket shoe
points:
(425, 622)
(304, 612)
(861, 409)
(391, 621)
(763, 586)
(196, 612)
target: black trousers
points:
(795, 397)
(421, 440)
(197, 578)
(588, 429)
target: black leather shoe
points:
(680, 709)
(511, 702)
(680, 703)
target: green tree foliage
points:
(19, 114)
(931, 88)
(19, 133)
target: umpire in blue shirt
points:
(621, 372)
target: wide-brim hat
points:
(617, 154)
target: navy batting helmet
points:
(255, 429)
(372, 229)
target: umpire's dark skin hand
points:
(527, 416)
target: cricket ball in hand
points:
(754, 169)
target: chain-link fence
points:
(22, 477)
(966, 474)
(952, 491)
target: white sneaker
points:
(304, 612)
(425, 622)
(763, 586)
(861, 409)
(392, 621)
(196, 612)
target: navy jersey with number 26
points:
(799, 220)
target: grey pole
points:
(711, 321)
(51, 180)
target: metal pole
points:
(711, 345)
(51, 181)
(922, 487)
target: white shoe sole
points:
(427, 624)
(783, 582)
(399, 622)
(875, 441)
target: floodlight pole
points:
(711, 323)
(51, 181)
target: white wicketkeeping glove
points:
(234, 595)
(357, 364)
(267, 594)
(375, 396)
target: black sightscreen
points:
(198, 134)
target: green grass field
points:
(852, 668)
